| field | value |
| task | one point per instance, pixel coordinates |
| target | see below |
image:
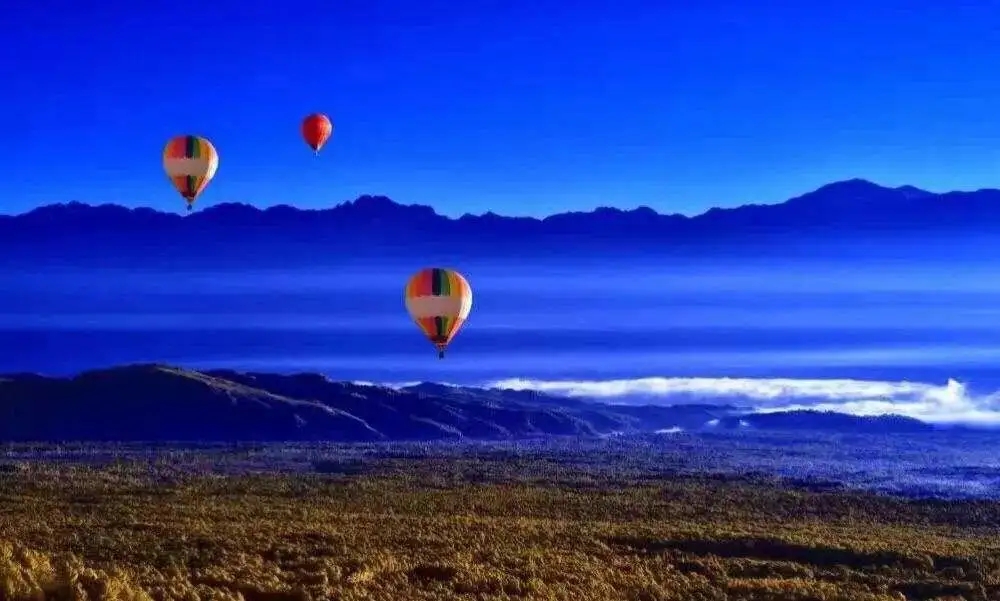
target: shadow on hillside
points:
(342, 468)
(776, 550)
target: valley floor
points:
(409, 529)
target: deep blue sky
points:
(517, 106)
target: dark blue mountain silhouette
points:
(163, 403)
(838, 215)
(826, 421)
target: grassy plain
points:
(442, 529)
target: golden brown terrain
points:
(454, 529)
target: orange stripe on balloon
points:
(420, 284)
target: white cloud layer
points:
(947, 403)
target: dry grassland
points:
(436, 532)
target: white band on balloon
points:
(439, 306)
(198, 167)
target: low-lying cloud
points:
(937, 403)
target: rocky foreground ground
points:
(453, 528)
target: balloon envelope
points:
(190, 163)
(439, 301)
(316, 130)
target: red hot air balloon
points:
(316, 130)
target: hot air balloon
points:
(439, 300)
(190, 163)
(316, 130)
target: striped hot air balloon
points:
(190, 163)
(439, 301)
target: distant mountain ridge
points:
(376, 226)
(164, 403)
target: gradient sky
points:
(517, 106)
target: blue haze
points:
(683, 318)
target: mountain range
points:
(164, 403)
(843, 214)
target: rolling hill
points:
(164, 403)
